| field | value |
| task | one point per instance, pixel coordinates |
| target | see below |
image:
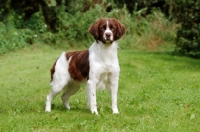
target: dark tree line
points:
(185, 12)
(28, 7)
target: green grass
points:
(158, 92)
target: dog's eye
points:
(112, 28)
(103, 28)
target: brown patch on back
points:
(53, 70)
(79, 64)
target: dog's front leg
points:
(91, 95)
(113, 88)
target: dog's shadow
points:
(62, 108)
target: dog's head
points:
(107, 30)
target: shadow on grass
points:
(61, 108)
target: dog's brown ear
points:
(120, 29)
(94, 29)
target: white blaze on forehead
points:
(108, 31)
(107, 25)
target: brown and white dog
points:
(98, 66)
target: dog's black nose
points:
(108, 35)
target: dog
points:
(98, 66)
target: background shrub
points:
(188, 36)
(148, 24)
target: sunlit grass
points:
(157, 92)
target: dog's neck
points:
(107, 53)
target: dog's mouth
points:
(108, 41)
(107, 38)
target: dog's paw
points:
(115, 111)
(67, 106)
(65, 102)
(95, 112)
(47, 109)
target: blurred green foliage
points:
(55, 22)
(188, 36)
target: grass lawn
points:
(158, 92)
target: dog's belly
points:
(102, 81)
(104, 75)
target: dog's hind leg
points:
(72, 88)
(56, 88)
